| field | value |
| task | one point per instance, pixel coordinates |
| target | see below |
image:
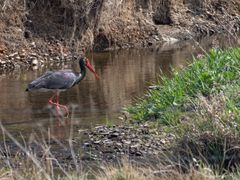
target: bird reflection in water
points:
(61, 127)
(62, 116)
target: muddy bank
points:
(100, 25)
(141, 144)
(119, 141)
(100, 144)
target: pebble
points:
(18, 57)
(34, 54)
(97, 142)
(34, 62)
(127, 142)
(113, 135)
(111, 142)
(13, 54)
(34, 67)
(22, 55)
(87, 144)
(33, 44)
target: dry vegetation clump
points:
(12, 15)
(221, 153)
(133, 23)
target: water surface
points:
(124, 76)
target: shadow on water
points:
(124, 76)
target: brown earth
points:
(61, 27)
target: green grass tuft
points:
(217, 72)
(200, 107)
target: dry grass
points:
(127, 171)
(26, 164)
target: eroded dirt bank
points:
(36, 31)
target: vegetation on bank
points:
(207, 87)
(200, 106)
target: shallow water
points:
(124, 76)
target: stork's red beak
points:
(89, 66)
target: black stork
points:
(61, 80)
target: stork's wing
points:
(54, 80)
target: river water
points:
(124, 76)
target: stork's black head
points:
(84, 62)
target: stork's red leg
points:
(60, 105)
(50, 100)
(57, 103)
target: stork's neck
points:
(82, 70)
(82, 73)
